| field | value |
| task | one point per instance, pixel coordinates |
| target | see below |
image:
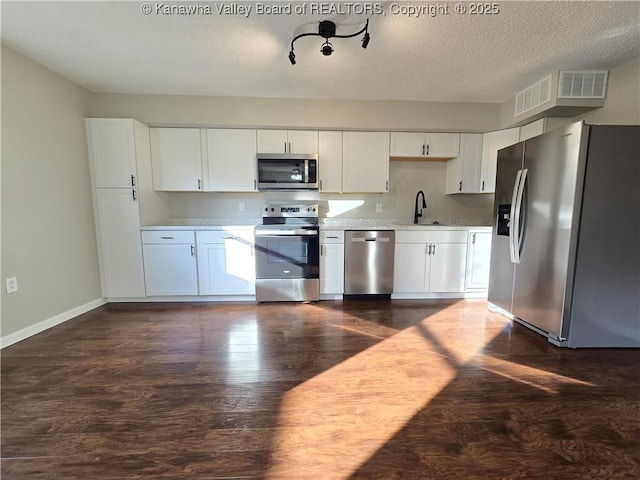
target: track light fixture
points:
(327, 30)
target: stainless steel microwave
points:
(287, 171)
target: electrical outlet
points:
(12, 284)
(378, 208)
(241, 206)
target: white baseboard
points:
(49, 322)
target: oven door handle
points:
(285, 233)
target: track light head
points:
(365, 40)
(327, 49)
(292, 57)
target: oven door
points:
(282, 254)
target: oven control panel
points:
(290, 211)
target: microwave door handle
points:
(512, 215)
(306, 171)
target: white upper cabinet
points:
(176, 157)
(491, 143)
(463, 172)
(330, 162)
(112, 147)
(231, 160)
(429, 145)
(287, 141)
(365, 162)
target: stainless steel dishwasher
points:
(368, 262)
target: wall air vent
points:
(582, 84)
(533, 96)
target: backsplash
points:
(406, 179)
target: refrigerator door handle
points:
(512, 215)
(517, 242)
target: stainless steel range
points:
(288, 254)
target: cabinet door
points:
(407, 144)
(303, 141)
(119, 241)
(176, 158)
(365, 162)
(442, 145)
(330, 161)
(112, 152)
(448, 263)
(273, 141)
(231, 160)
(226, 268)
(170, 269)
(491, 143)
(332, 268)
(410, 268)
(463, 172)
(479, 260)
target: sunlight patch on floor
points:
(335, 421)
(534, 377)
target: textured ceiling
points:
(113, 47)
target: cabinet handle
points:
(329, 236)
(423, 147)
(427, 149)
(483, 185)
(133, 180)
(433, 252)
(473, 239)
(255, 184)
(460, 187)
(289, 147)
(285, 147)
(320, 185)
(167, 238)
(193, 251)
(199, 184)
(386, 186)
(133, 194)
(427, 249)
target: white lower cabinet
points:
(430, 262)
(226, 262)
(332, 262)
(170, 262)
(479, 260)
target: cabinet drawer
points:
(440, 236)
(332, 236)
(219, 236)
(167, 236)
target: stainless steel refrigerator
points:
(565, 258)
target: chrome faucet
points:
(417, 214)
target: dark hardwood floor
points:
(354, 390)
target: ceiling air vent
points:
(582, 84)
(533, 96)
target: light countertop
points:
(325, 223)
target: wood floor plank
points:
(330, 390)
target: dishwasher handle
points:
(378, 239)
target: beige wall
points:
(48, 235)
(180, 110)
(622, 105)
